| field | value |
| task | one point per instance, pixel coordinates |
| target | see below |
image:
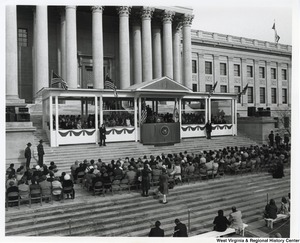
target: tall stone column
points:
(256, 83)
(268, 84)
(97, 39)
(63, 44)
(187, 50)
(167, 43)
(244, 80)
(157, 58)
(201, 76)
(146, 15)
(217, 73)
(42, 68)
(279, 84)
(137, 49)
(231, 75)
(124, 12)
(11, 54)
(71, 47)
(176, 52)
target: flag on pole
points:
(109, 84)
(143, 113)
(56, 79)
(243, 91)
(175, 112)
(212, 89)
(277, 37)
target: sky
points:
(251, 19)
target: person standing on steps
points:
(208, 127)
(40, 151)
(271, 139)
(27, 155)
(102, 130)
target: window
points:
(223, 88)
(261, 72)
(22, 37)
(223, 70)
(237, 70)
(194, 66)
(250, 71)
(283, 74)
(284, 96)
(208, 67)
(262, 95)
(208, 87)
(273, 95)
(237, 90)
(195, 88)
(250, 94)
(273, 73)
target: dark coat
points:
(27, 153)
(221, 223)
(271, 211)
(208, 127)
(180, 230)
(163, 183)
(102, 132)
(40, 149)
(145, 173)
(157, 232)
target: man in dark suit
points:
(271, 139)
(102, 130)
(40, 151)
(27, 155)
(157, 231)
(208, 130)
(180, 229)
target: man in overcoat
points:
(102, 130)
(40, 151)
(27, 155)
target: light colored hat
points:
(37, 167)
(67, 177)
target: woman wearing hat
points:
(164, 184)
(27, 155)
(40, 151)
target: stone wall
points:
(256, 128)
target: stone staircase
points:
(64, 156)
(128, 214)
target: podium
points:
(160, 133)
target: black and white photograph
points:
(137, 119)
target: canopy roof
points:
(163, 84)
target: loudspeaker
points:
(252, 111)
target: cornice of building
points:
(235, 42)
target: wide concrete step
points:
(200, 197)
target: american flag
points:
(213, 89)
(143, 113)
(56, 79)
(243, 91)
(110, 85)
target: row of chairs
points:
(36, 195)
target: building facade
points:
(235, 62)
(131, 45)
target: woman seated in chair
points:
(68, 186)
(56, 188)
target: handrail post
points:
(70, 233)
(189, 220)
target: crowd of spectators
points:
(38, 178)
(113, 119)
(74, 122)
